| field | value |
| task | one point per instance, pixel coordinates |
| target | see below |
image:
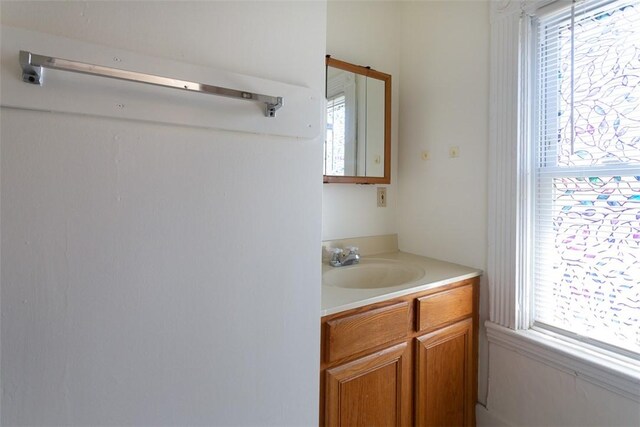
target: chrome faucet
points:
(346, 256)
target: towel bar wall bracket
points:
(33, 64)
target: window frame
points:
(549, 172)
(511, 212)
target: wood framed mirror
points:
(357, 146)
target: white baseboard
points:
(487, 418)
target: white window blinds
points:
(586, 227)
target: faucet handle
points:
(335, 255)
(351, 250)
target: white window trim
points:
(510, 323)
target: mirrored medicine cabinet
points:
(357, 145)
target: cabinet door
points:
(374, 390)
(444, 382)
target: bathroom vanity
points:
(399, 355)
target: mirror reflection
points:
(357, 145)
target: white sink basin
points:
(372, 274)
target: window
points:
(335, 141)
(585, 138)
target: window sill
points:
(606, 369)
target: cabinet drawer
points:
(444, 307)
(358, 332)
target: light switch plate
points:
(382, 197)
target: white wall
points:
(443, 103)
(444, 100)
(364, 33)
(142, 273)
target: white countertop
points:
(437, 273)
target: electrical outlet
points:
(382, 197)
(425, 155)
(454, 152)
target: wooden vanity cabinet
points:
(408, 361)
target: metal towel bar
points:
(32, 65)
